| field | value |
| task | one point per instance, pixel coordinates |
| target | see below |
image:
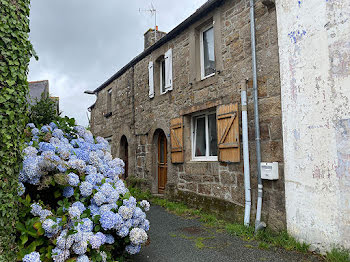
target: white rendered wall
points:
(314, 49)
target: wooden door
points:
(162, 163)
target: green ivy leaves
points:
(15, 53)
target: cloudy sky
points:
(81, 43)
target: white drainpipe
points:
(245, 154)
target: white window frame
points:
(160, 77)
(109, 100)
(193, 137)
(202, 51)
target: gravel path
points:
(174, 238)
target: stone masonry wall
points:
(233, 63)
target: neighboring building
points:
(314, 40)
(37, 89)
(173, 113)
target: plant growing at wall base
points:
(15, 53)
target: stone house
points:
(40, 88)
(173, 113)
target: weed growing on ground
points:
(338, 255)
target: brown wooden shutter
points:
(228, 133)
(176, 140)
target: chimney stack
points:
(150, 37)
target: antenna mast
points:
(152, 10)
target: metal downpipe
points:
(258, 224)
(247, 190)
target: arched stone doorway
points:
(124, 154)
(160, 155)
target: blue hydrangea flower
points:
(133, 249)
(30, 125)
(44, 146)
(57, 133)
(145, 225)
(92, 179)
(30, 151)
(138, 236)
(51, 227)
(80, 247)
(90, 170)
(21, 189)
(60, 255)
(86, 225)
(68, 191)
(35, 131)
(45, 129)
(125, 212)
(96, 241)
(109, 239)
(74, 212)
(83, 258)
(94, 210)
(86, 188)
(73, 179)
(53, 125)
(32, 257)
(145, 204)
(64, 241)
(123, 231)
(99, 198)
(108, 220)
(79, 205)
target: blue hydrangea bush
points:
(75, 207)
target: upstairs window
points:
(207, 52)
(204, 137)
(162, 76)
(109, 101)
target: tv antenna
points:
(152, 10)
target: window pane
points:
(208, 48)
(200, 137)
(213, 138)
(162, 64)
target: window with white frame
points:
(207, 54)
(204, 137)
(109, 101)
(162, 76)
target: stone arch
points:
(154, 159)
(125, 131)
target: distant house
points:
(39, 88)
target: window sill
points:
(206, 77)
(107, 115)
(204, 160)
